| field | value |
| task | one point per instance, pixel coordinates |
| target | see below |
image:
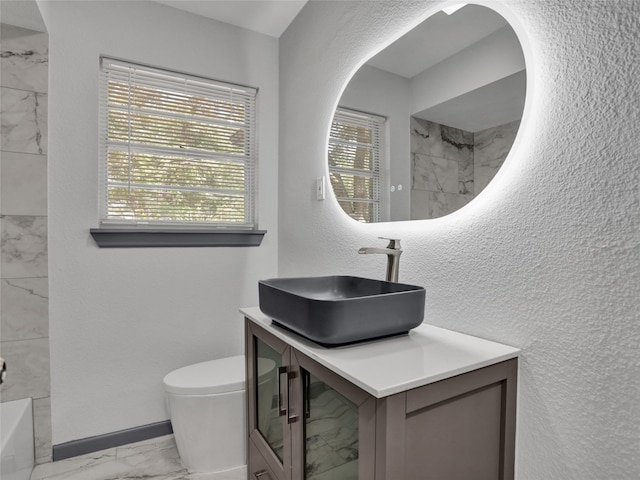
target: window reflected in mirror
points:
(356, 149)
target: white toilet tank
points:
(208, 412)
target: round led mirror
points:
(424, 125)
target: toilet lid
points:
(223, 375)
(215, 376)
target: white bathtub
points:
(16, 440)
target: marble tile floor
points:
(155, 459)
(331, 432)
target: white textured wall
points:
(122, 318)
(546, 259)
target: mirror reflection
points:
(424, 125)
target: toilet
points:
(207, 405)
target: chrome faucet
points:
(392, 251)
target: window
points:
(355, 150)
(177, 151)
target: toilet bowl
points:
(208, 412)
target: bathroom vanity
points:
(433, 404)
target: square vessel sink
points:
(339, 310)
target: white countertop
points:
(392, 365)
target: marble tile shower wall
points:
(24, 303)
(451, 166)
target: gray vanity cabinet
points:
(305, 422)
(459, 428)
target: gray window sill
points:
(131, 238)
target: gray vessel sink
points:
(338, 310)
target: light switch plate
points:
(320, 188)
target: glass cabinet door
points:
(269, 377)
(269, 423)
(305, 422)
(330, 432)
(335, 437)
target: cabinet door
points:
(268, 378)
(334, 437)
(459, 428)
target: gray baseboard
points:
(110, 440)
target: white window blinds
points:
(355, 150)
(176, 150)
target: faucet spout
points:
(385, 251)
(393, 252)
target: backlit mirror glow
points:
(423, 126)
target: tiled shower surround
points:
(451, 166)
(24, 310)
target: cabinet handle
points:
(261, 474)
(281, 410)
(286, 408)
(290, 418)
(307, 394)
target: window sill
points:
(131, 238)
